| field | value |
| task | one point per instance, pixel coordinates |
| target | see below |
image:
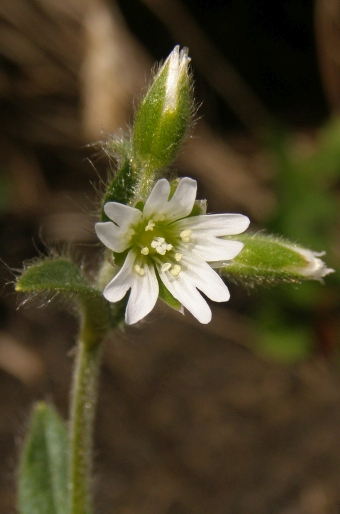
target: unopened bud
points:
(272, 260)
(164, 115)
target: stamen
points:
(169, 247)
(161, 249)
(130, 233)
(166, 266)
(178, 256)
(145, 250)
(160, 245)
(176, 270)
(159, 217)
(185, 235)
(139, 270)
(150, 225)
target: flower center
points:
(157, 241)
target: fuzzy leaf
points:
(54, 276)
(61, 275)
(43, 473)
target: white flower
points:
(164, 243)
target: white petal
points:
(215, 224)
(119, 285)
(202, 276)
(158, 197)
(122, 215)
(188, 296)
(183, 200)
(112, 236)
(143, 296)
(214, 249)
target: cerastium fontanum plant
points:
(159, 243)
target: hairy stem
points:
(83, 404)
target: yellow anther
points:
(178, 256)
(185, 235)
(166, 266)
(175, 271)
(130, 233)
(145, 250)
(169, 247)
(139, 270)
(150, 226)
(159, 245)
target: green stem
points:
(97, 321)
(83, 404)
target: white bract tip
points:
(178, 62)
(315, 268)
(160, 237)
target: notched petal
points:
(143, 296)
(122, 215)
(213, 249)
(183, 200)
(112, 236)
(121, 283)
(216, 224)
(158, 197)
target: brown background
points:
(189, 419)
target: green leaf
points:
(43, 473)
(62, 276)
(54, 275)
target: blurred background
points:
(238, 417)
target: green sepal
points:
(122, 188)
(199, 208)
(269, 260)
(43, 472)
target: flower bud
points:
(164, 114)
(272, 260)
